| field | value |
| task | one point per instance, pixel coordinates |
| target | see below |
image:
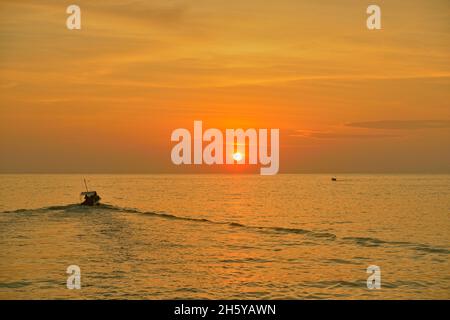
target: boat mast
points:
(85, 184)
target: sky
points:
(107, 97)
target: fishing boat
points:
(91, 198)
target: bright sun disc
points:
(237, 156)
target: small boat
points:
(91, 198)
(333, 179)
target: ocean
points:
(213, 236)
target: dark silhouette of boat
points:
(91, 198)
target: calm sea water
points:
(226, 236)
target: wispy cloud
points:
(402, 124)
(338, 135)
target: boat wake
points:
(327, 236)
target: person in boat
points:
(91, 198)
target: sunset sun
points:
(237, 156)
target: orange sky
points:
(107, 97)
